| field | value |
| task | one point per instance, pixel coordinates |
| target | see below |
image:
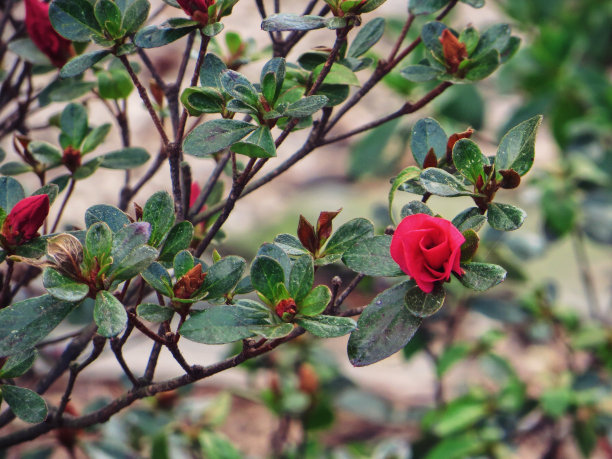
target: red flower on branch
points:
(22, 223)
(57, 48)
(427, 249)
(197, 9)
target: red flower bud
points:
(57, 48)
(22, 223)
(286, 309)
(71, 158)
(193, 196)
(197, 9)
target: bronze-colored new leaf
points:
(454, 51)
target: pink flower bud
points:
(57, 48)
(197, 9)
(24, 220)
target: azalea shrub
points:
(161, 269)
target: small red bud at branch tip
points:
(22, 223)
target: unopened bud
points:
(286, 309)
(189, 283)
(23, 221)
(454, 51)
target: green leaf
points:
(384, 327)
(15, 168)
(407, 174)
(62, 287)
(348, 234)
(516, 150)
(459, 415)
(469, 160)
(28, 51)
(286, 21)
(45, 153)
(423, 304)
(135, 14)
(74, 19)
(212, 69)
(115, 83)
(239, 87)
(338, 74)
(290, 245)
(505, 217)
(474, 3)
(482, 66)
(87, 169)
(371, 5)
(11, 192)
(64, 90)
(301, 278)
(98, 240)
(210, 30)
(73, 123)
(50, 189)
(278, 254)
(223, 276)
(417, 7)
(108, 15)
(273, 331)
(427, 134)
(126, 158)
(154, 312)
(441, 183)
(202, 100)
(112, 216)
(272, 78)
(159, 212)
(265, 274)
(127, 239)
(420, 73)
(430, 34)
(372, 257)
(25, 323)
(137, 261)
(482, 276)
(259, 144)
(179, 238)
(368, 36)
(18, 364)
(315, 302)
(158, 278)
(495, 37)
(27, 405)
(95, 137)
(79, 64)
(327, 326)
(183, 262)
(224, 324)
(109, 314)
(156, 36)
(213, 136)
(415, 207)
(306, 106)
(470, 218)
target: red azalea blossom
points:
(57, 48)
(197, 9)
(193, 195)
(22, 223)
(427, 249)
(285, 309)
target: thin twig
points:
(64, 202)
